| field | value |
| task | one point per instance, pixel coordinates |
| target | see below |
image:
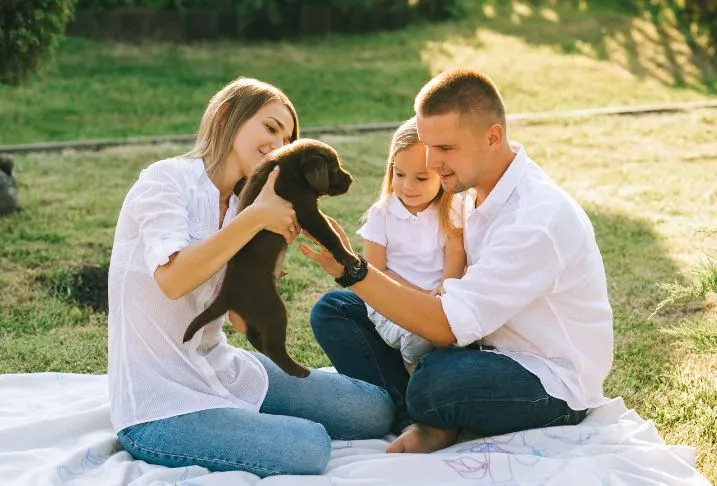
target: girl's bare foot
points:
(422, 438)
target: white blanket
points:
(55, 430)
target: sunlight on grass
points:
(544, 57)
(646, 183)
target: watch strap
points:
(353, 275)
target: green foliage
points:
(704, 283)
(703, 13)
(29, 32)
(275, 12)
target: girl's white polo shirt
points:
(415, 244)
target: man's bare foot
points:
(422, 438)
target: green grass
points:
(645, 182)
(550, 57)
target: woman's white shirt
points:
(152, 374)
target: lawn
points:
(643, 180)
(554, 56)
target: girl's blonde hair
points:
(227, 111)
(405, 137)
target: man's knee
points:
(435, 389)
(423, 393)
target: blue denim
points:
(291, 434)
(465, 388)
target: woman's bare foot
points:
(422, 438)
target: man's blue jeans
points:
(291, 435)
(471, 389)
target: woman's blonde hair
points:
(405, 137)
(227, 111)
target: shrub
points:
(703, 13)
(29, 32)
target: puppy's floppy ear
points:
(316, 172)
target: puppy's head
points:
(321, 167)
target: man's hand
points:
(323, 257)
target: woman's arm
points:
(375, 254)
(191, 267)
(194, 265)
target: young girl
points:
(412, 233)
(205, 402)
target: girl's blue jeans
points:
(290, 435)
(464, 388)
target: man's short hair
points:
(464, 91)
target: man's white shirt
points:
(535, 287)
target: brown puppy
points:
(308, 169)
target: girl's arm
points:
(454, 261)
(192, 266)
(375, 254)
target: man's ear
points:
(495, 134)
(316, 172)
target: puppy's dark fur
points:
(308, 169)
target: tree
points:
(29, 32)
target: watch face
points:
(357, 271)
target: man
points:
(524, 339)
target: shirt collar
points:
(199, 172)
(398, 210)
(506, 184)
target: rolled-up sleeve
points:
(518, 265)
(374, 229)
(158, 203)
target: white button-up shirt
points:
(535, 287)
(152, 374)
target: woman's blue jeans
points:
(465, 388)
(291, 434)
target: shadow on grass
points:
(649, 39)
(635, 262)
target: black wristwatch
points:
(352, 274)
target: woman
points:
(205, 402)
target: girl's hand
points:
(437, 292)
(277, 214)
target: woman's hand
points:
(323, 257)
(278, 214)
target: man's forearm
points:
(415, 311)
